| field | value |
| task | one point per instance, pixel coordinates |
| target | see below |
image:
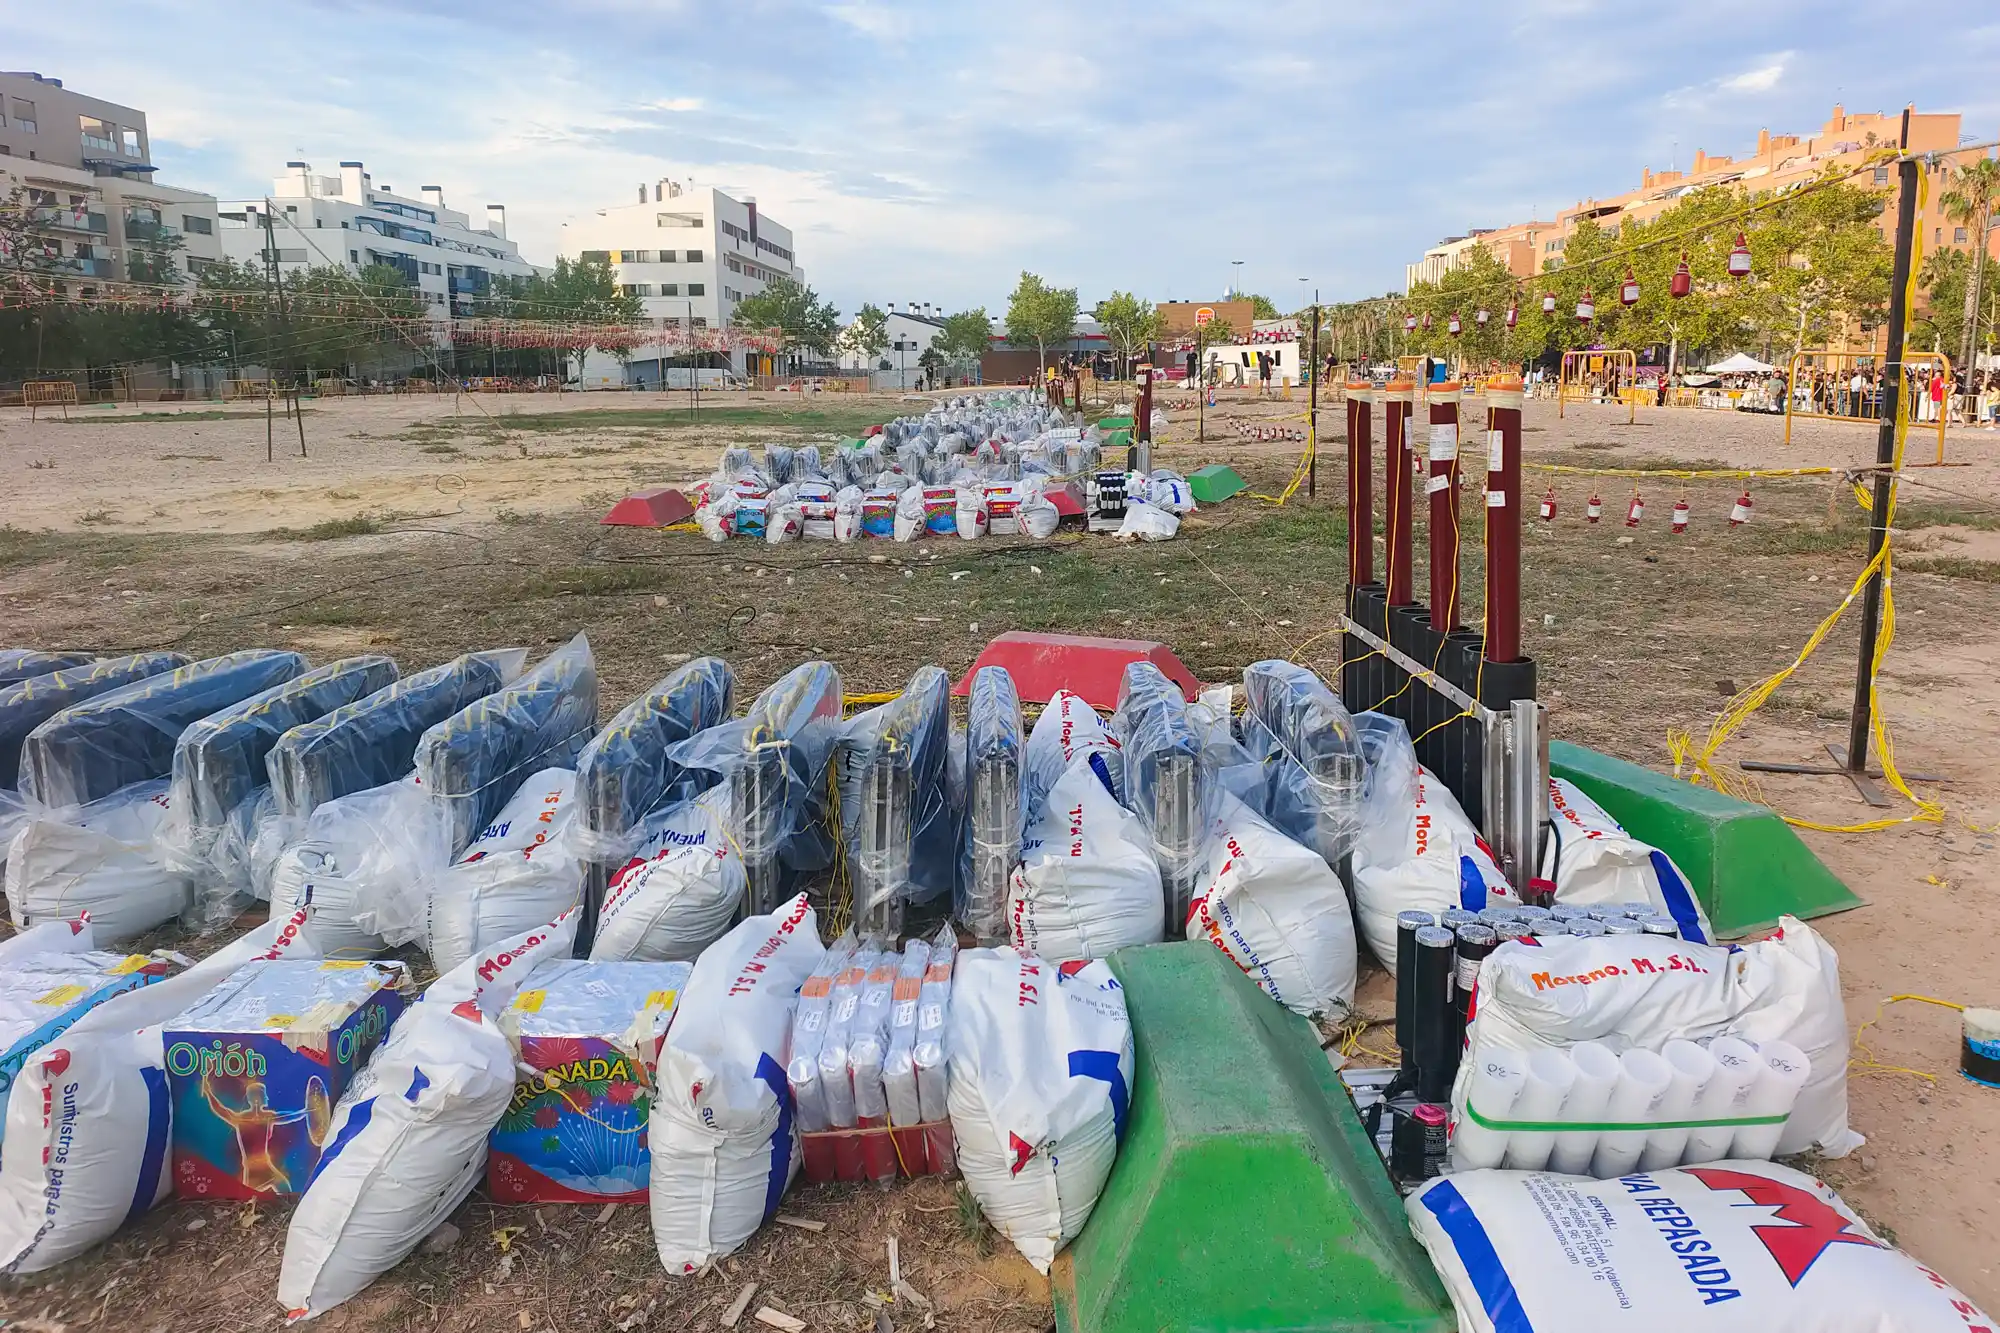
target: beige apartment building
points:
(85, 167)
(1780, 161)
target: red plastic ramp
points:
(1042, 664)
(650, 509)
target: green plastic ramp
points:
(1743, 861)
(1246, 1196)
(1214, 483)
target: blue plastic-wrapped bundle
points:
(27, 663)
(470, 763)
(896, 812)
(26, 704)
(624, 773)
(127, 735)
(775, 759)
(374, 739)
(994, 741)
(1314, 769)
(219, 793)
(1166, 783)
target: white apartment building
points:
(1450, 253)
(348, 220)
(909, 332)
(690, 254)
(85, 167)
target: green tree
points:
(867, 335)
(1130, 323)
(1975, 188)
(967, 336)
(802, 318)
(1040, 314)
(1262, 307)
(932, 363)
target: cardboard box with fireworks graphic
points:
(575, 1131)
(254, 1068)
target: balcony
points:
(80, 268)
(150, 229)
(57, 217)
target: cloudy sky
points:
(929, 151)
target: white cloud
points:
(1760, 80)
(674, 104)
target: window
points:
(24, 116)
(1958, 236)
(638, 289)
(1881, 175)
(635, 256)
(666, 256)
(595, 256)
(197, 264)
(99, 134)
(128, 142)
(670, 289)
(353, 256)
(697, 289)
(678, 220)
(698, 322)
(694, 256)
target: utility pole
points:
(271, 279)
(285, 327)
(1312, 410)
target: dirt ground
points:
(172, 530)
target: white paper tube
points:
(1726, 1096)
(1498, 1076)
(1692, 1069)
(1784, 1070)
(1643, 1080)
(1549, 1076)
(1596, 1075)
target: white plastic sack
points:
(409, 1137)
(1735, 1247)
(522, 870)
(723, 1139)
(1418, 854)
(972, 516)
(98, 858)
(1041, 1077)
(363, 863)
(1166, 489)
(1146, 523)
(1278, 910)
(909, 523)
(1068, 733)
(674, 903)
(1646, 990)
(89, 1121)
(1039, 519)
(1592, 859)
(1088, 882)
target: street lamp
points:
(1236, 277)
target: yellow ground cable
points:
(1680, 743)
(1872, 1066)
(1684, 474)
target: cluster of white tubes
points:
(1589, 1084)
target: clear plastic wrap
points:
(28, 702)
(867, 1051)
(994, 742)
(775, 757)
(127, 735)
(219, 773)
(896, 808)
(899, 1063)
(1389, 790)
(929, 1052)
(27, 663)
(470, 763)
(681, 891)
(363, 862)
(624, 773)
(1068, 732)
(1167, 784)
(835, 1081)
(1314, 768)
(809, 1020)
(521, 871)
(374, 739)
(98, 858)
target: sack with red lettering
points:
(1088, 882)
(1416, 851)
(1278, 910)
(1069, 733)
(408, 1141)
(680, 891)
(1735, 1247)
(88, 1120)
(519, 872)
(1592, 859)
(1646, 990)
(1041, 1078)
(724, 1139)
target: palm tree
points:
(1969, 202)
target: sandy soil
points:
(162, 532)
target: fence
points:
(1864, 404)
(1576, 366)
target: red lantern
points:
(1740, 515)
(1479, 317)
(1409, 323)
(1549, 506)
(1636, 512)
(1427, 321)
(1586, 309)
(1513, 313)
(1454, 328)
(1628, 294)
(1683, 282)
(1739, 258)
(1593, 508)
(1680, 519)
(1548, 303)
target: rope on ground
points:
(1697, 763)
(1869, 1064)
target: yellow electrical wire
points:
(1696, 763)
(1873, 1066)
